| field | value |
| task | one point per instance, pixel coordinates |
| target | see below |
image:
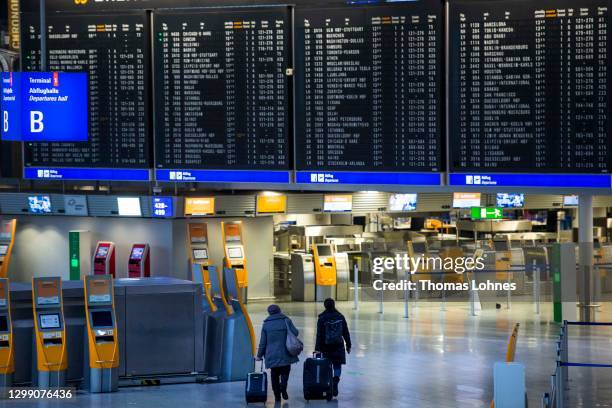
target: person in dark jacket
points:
(332, 338)
(272, 348)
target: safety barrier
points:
(511, 350)
(557, 397)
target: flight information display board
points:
(113, 50)
(529, 86)
(222, 90)
(369, 88)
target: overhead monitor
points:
(324, 250)
(466, 200)
(338, 203)
(570, 201)
(49, 321)
(39, 204)
(199, 254)
(129, 206)
(510, 200)
(101, 318)
(235, 253)
(137, 253)
(403, 202)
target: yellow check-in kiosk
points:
(235, 257)
(7, 355)
(199, 258)
(325, 271)
(49, 333)
(102, 351)
(7, 240)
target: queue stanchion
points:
(443, 302)
(508, 293)
(381, 308)
(536, 287)
(406, 294)
(356, 286)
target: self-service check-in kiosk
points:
(7, 239)
(139, 264)
(104, 259)
(49, 333)
(102, 351)
(325, 271)
(302, 277)
(235, 257)
(200, 259)
(342, 275)
(7, 359)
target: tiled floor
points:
(433, 359)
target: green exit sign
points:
(487, 213)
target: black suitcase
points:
(256, 389)
(318, 378)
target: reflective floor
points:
(435, 358)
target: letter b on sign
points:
(36, 122)
(5, 126)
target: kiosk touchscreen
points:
(325, 271)
(235, 258)
(7, 238)
(104, 259)
(103, 346)
(50, 332)
(139, 265)
(7, 362)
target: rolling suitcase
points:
(318, 378)
(256, 389)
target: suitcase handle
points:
(317, 354)
(261, 369)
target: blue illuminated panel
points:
(222, 176)
(59, 173)
(531, 180)
(162, 207)
(326, 177)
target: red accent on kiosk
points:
(139, 265)
(104, 259)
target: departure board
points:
(369, 87)
(113, 50)
(529, 86)
(222, 90)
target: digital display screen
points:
(119, 134)
(324, 250)
(528, 86)
(199, 205)
(369, 87)
(39, 204)
(200, 254)
(162, 207)
(4, 327)
(129, 206)
(227, 68)
(466, 200)
(49, 321)
(235, 253)
(137, 253)
(419, 247)
(338, 203)
(3, 249)
(570, 201)
(510, 200)
(101, 318)
(102, 252)
(402, 202)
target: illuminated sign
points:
(199, 205)
(271, 203)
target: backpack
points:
(333, 333)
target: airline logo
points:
(80, 2)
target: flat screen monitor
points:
(338, 203)
(466, 200)
(102, 252)
(101, 318)
(39, 204)
(129, 206)
(137, 253)
(324, 250)
(234, 253)
(419, 247)
(570, 201)
(200, 254)
(4, 323)
(403, 202)
(510, 200)
(49, 321)
(3, 249)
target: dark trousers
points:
(280, 377)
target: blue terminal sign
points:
(162, 207)
(531, 180)
(371, 178)
(45, 106)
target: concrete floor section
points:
(435, 358)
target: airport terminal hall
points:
(306, 203)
